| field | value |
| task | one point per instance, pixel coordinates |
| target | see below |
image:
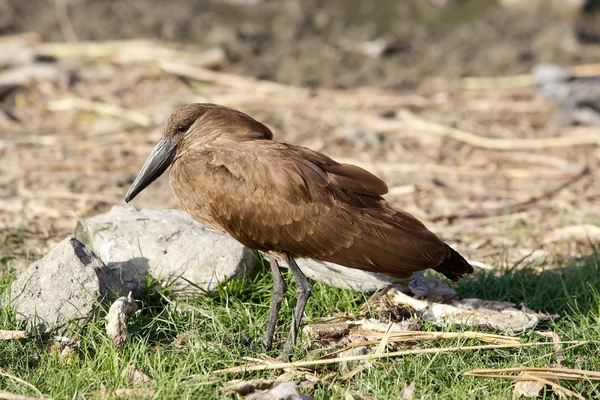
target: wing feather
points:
(289, 199)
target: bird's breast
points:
(194, 191)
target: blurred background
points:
(482, 116)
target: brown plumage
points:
(228, 173)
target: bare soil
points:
(359, 80)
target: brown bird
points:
(289, 202)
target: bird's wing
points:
(288, 199)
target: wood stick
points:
(559, 373)
(512, 173)
(515, 207)
(132, 51)
(227, 80)
(592, 138)
(100, 108)
(520, 81)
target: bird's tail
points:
(454, 267)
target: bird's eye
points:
(181, 128)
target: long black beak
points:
(158, 161)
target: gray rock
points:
(68, 283)
(343, 277)
(169, 245)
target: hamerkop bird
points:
(289, 202)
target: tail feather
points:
(454, 267)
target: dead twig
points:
(413, 336)
(437, 129)
(514, 207)
(384, 340)
(521, 81)
(548, 376)
(133, 51)
(500, 82)
(547, 373)
(509, 173)
(10, 335)
(100, 108)
(315, 363)
(228, 80)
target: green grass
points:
(225, 323)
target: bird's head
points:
(191, 127)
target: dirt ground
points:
(373, 83)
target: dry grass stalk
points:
(256, 86)
(384, 340)
(517, 206)
(417, 336)
(546, 373)
(520, 81)
(100, 108)
(500, 82)
(509, 173)
(132, 51)
(25, 37)
(412, 336)
(9, 335)
(420, 126)
(315, 363)
(365, 364)
(548, 376)
(21, 381)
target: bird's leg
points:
(304, 289)
(279, 289)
